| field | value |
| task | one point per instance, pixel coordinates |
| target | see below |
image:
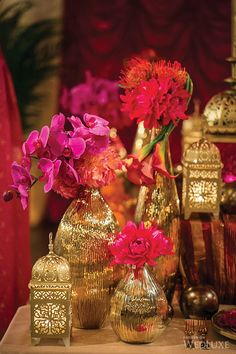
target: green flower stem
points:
(163, 135)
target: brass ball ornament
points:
(199, 301)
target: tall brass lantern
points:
(201, 179)
(220, 113)
(50, 298)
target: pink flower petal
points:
(44, 134)
(57, 142)
(77, 146)
(72, 171)
(75, 122)
(45, 165)
(28, 146)
(58, 122)
(92, 120)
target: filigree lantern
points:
(50, 298)
(201, 179)
(220, 123)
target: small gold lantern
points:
(201, 179)
(50, 298)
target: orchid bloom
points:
(98, 138)
(50, 170)
(63, 144)
(95, 131)
(36, 141)
(69, 147)
(57, 123)
(22, 182)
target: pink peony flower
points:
(22, 182)
(36, 142)
(50, 170)
(140, 245)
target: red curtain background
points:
(100, 34)
(15, 262)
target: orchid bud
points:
(7, 196)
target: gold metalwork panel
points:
(49, 295)
(202, 194)
(49, 319)
(203, 174)
(220, 111)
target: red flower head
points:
(140, 245)
(155, 93)
(136, 71)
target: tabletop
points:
(104, 341)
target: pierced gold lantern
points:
(201, 179)
(50, 298)
(220, 111)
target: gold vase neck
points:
(88, 192)
(137, 273)
(91, 190)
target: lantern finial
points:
(50, 245)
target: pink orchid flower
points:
(95, 132)
(62, 144)
(98, 133)
(22, 182)
(79, 128)
(50, 170)
(57, 123)
(36, 142)
(96, 125)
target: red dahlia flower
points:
(155, 92)
(140, 245)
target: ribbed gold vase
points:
(139, 308)
(81, 237)
(160, 203)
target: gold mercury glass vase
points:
(81, 238)
(139, 308)
(160, 203)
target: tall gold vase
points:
(160, 203)
(81, 237)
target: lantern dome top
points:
(220, 113)
(202, 152)
(51, 268)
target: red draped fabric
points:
(15, 262)
(99, 35)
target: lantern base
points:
(187, 214)
(36, 340)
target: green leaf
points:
(30, 52)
